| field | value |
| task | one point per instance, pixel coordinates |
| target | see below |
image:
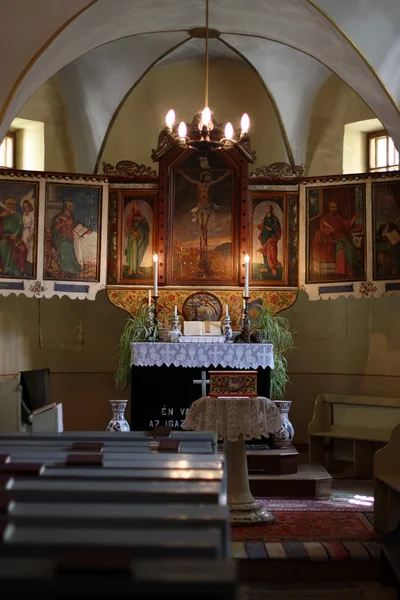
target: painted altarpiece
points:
(52, 234)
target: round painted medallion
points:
(202, 306)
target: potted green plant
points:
(138, 328)
(275, 329)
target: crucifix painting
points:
(202, 216)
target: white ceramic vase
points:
(284, 437)
(118, 421)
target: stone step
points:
(310, 481)
(272, 462)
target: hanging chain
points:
(206, 98)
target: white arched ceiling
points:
(25, 27)
(94, 86)
(293, 80)
(296, 23)
(374, 28)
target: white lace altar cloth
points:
(237, 356)
(232, 417)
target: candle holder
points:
(155, 323)
(176, 333)
(244, 336)
(228, 334)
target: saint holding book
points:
(65, 231)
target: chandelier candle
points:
(155, 272)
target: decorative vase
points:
(284, 437)
(118, 421)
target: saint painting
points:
(72, 232)
(136, 233)
(202, 216)
(17, 229)
(336, 235)
(386, 219)
(269, 233)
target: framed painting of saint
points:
(203, 222)
(268, 230)
(18, 229)
(336, 233)
(72, 232)
(386, 230)
(137, 210)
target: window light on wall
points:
(382, 154)
(7, 152)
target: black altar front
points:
(161, 395)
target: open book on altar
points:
(202, 328)
(80, 230)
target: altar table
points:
(163, 376)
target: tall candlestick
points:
(246, 275)
(226, 310)
(175, 311)
(149, 297)
(155, 273)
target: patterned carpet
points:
(309, 530)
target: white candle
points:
(246, 275)
(155, 274)
(149, 297)
(226, 310)
(175, 310)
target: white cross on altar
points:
(203, 381)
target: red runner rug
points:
(309, 536)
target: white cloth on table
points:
(236, 356)
(231, 417)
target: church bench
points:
(134, 492)
(386, 482)
(366, 421)
(116, 438)
(19, 540)
(135, 461)
(390, 558)
(100, 576)
(123, 516)
(99, 473)
(168, 446)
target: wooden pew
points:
(390, 558)
(119, 438)
(122, 516)
(117, 576)
(195, 521)
(386, 481)
(365, 421)
(22, 541)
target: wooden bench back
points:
(356, 412)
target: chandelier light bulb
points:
(229, 131)
(170, 118)
(245, 123)
(182, 129)
(206, 116)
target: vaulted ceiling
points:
(101, 49)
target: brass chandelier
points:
(206, 139)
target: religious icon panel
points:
(72, 232)
(336, 233)
(203, 223)
(386, 230)
(136, 234)
(18, 229)
(269, 234)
